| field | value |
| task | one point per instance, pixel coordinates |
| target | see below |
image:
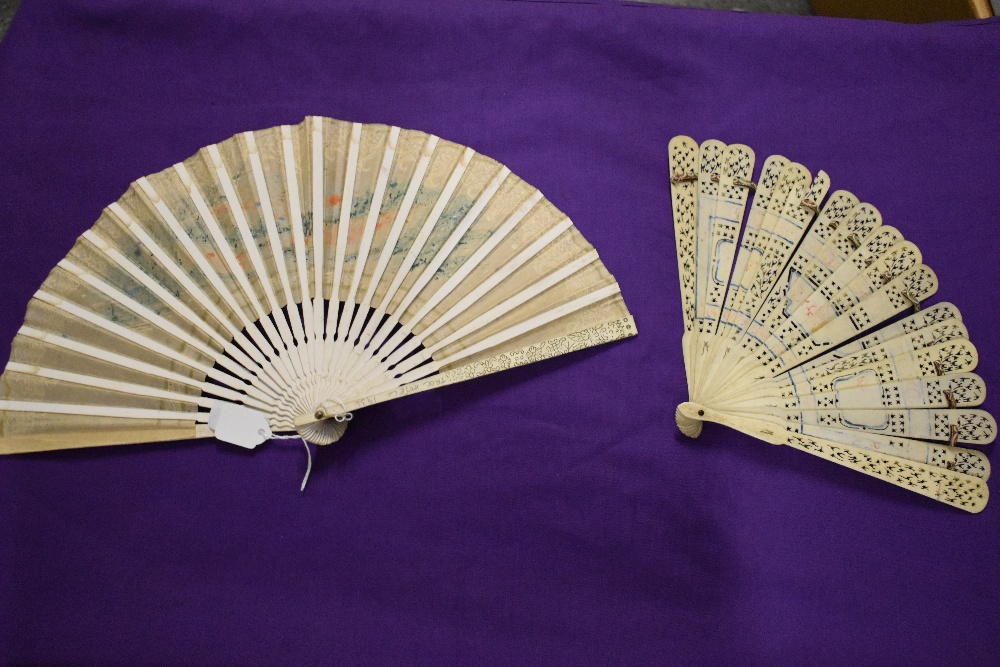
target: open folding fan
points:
(298, 273)
(777, 343)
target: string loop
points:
(343, 416)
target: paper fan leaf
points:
(301, 271)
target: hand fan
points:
(282, 278)
(788, 337)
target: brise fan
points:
(791, 329)
(278, 280)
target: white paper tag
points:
(239, 425)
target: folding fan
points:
(295, 274)
(777, 341)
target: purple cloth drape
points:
(547, 515)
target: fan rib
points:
(128, 335)
(715, 230)
(491, 315)
(779, 178)
(343, 226)
(318, 219)
(786, 228)
(364, 336)
(683, 157)
(959, 490)
(285, 341)
(940, 313)
(298, 238)
(166, 216)
(260, 347)
(817, 255)
(960, 459)
(58, 341)
(796, 355)
(102, 411)
(428, 272)
(798, 218)
(153, 286)
(368, 235)
(274, 341)
(153, 318)
(114, 385)
(453, 239)
(967, 492)
(501, 309)
(514, 331)
(476, 294)
(383, 331)
(442, 267)
(270, 225)
(391, 347)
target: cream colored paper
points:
(302, 271)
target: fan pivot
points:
(688, 416)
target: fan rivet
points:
(701, 413)
(320, 414)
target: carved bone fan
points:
(302, 272)
(768, 346)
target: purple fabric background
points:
(547, 515)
